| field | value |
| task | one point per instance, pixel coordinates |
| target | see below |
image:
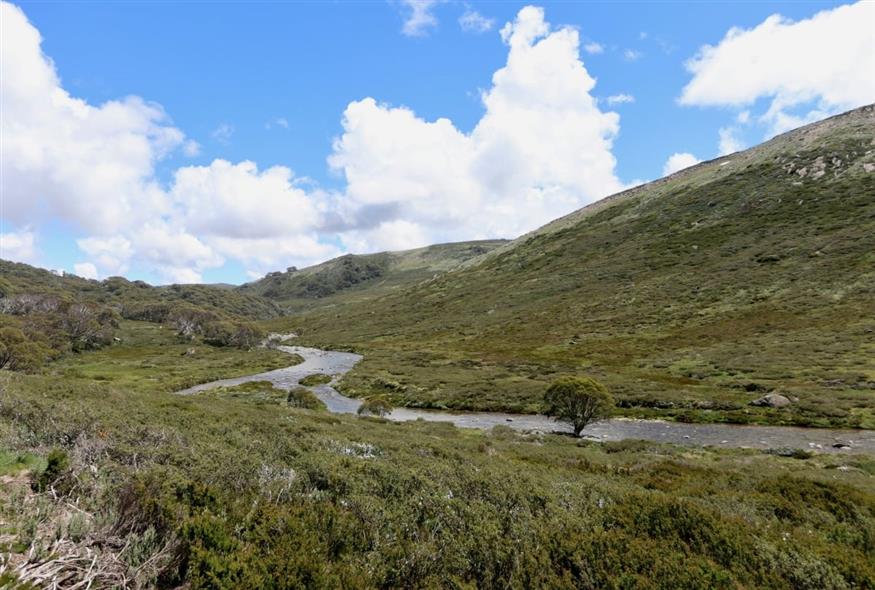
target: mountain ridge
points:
(803, 133)
(357, 277)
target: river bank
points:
(778, 438)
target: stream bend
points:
(337, 364)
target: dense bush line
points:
(35, 329)
(44, 315)
(117, 292)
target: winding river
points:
(717, 435)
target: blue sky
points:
(269, 83)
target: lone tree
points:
(578, 400)
(377, 406)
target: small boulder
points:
(772, 400)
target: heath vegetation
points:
(214, 491)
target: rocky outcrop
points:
(772, 400)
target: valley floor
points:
(334, 365)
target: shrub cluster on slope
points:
(44, 315)
(36, 328)
(22, 280)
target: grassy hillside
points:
(354, 279)
(688, 297)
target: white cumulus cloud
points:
(594, 48)
(62, 157)
(542, 149)
(679, 161)
(729, 142)
(112, 253)
(95, 168)
(827, 59)
(18, 246)
(238, 200)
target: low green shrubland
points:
(216, 492)
(258, 392)
(44, 316)
(151, 357)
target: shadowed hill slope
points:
(355, 278)
(18, 280)
(688, 296)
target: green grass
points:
(265, 496)
(257, 392)
(15, 463)
(315, 379)
(152, 358)
(688, 297)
